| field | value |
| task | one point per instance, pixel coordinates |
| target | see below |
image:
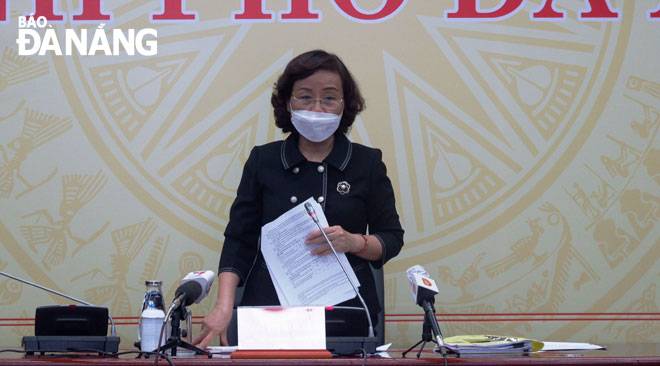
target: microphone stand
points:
(429, 314)
(367, 344)
(174, 340)
(371, 326)
(430, 326)
(426, 337)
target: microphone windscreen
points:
(191, 289)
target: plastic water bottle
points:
(152, 317)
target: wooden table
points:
(618, 354)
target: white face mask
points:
(315, 126)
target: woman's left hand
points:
(342, 240)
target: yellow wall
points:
(524, 156)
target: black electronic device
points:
(347, 330)
(104, 345)
(71, 328)
(345, 321)
(71, 320)
(346, 346)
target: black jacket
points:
(277, 177)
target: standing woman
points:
(316, 100)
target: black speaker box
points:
(71, 320)
(71, 328)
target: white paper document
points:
(570, 346)
(299, 277)
(297, 327)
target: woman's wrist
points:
(363, 245)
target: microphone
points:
(113, 331)
(186, 294)
(312, 213)
(193, 288)
(423, 292)
(423, 287)
(204, 279)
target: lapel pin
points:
(343, 187)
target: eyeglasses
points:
(307, 101)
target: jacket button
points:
(321, 199)
(294, 199)
(321, 169)
(296, 170)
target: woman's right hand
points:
(214, 324)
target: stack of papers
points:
(221, 351)
(475, 344)
(570, 346)
(299, 277)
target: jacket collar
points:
(339, 157)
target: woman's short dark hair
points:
(303, 66)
